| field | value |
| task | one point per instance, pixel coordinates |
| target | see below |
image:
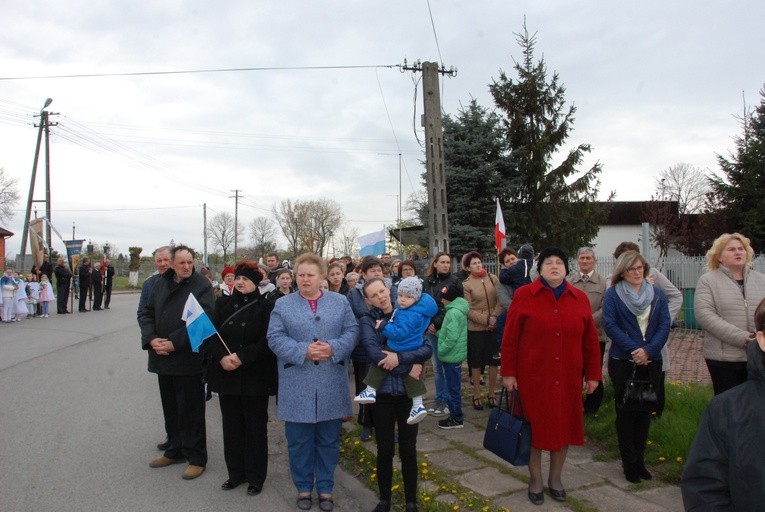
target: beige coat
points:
(481, 295)
(595, 289)
(725, 314)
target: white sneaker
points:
(366, 397)
(416, 415)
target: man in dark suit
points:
(108, 276)
(63, 281)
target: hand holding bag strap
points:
(510, 399)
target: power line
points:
(199, 71)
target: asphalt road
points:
(80, 418)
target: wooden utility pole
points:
(44, 127)
(438, 217)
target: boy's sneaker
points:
(366, 397)
(416, 415)
(449, 423)
(439, 410)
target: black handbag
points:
(507, 435)
(639, 394)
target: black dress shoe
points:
(164, 445)
(558, 495)
(229, 484)
(382, 506)
(254, 489)
(411, 507)
(537, 498)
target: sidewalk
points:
(591, 484)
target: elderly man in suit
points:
(594, 285)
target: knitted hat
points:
(226, 271)
(410, 286)
(526, 252)
(247, 271)
(451, 291)
(552, 251)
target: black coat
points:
(245, 335)
(724, 470)
(63, 276)
(161, 317)
(432, 286)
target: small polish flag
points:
(499, 229)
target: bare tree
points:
(346, 243)
(291, 219)
(263, 235)
(324, 218)
(686, 184)
(221, 232)
(9, 195)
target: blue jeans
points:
(314, 450)
(442, 394)
(453, 373)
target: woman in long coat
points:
(312, 333)
(550, 340)
(244, 379)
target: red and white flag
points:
(499, 229)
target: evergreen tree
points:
(472, 155)
(740, 193)
(546, 205)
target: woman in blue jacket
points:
(392, 406)
(636, 318)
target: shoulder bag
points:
(507, 435)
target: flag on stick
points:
(372, 244)
(499, 229)
(198, 324)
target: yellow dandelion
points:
(426, 499)
(357, 442)
(649, 442)
(679, 459)
(662, 459)
(424, 464)
(394, 488)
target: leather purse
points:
(639, 394)
(507, 434)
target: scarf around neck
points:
(637, 303)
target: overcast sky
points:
(134, 157)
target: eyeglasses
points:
(636, 270)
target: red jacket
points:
(548, 346)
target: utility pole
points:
(438, 219)
(204, 232)
(44, 126)
(236, 197)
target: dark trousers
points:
(62, 298)
(183, 404)
(245, 437)
(726, 374)
(83, 296)
(360, 370)
(592, 401)
(631, 427)
(107, 295)
(391, 411)
(98, 296)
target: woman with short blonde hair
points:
(724, 305)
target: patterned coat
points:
(548, 345)
(311, 392)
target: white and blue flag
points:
(372, 244)
(198, 324)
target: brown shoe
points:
(192, 471)
(162, 461)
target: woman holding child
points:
(392, 407)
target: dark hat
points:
(451, 291)
(526, 252)
(552, 251)
(226, 271)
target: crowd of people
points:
(298, 332)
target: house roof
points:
(5, 233)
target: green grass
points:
(670, 437)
